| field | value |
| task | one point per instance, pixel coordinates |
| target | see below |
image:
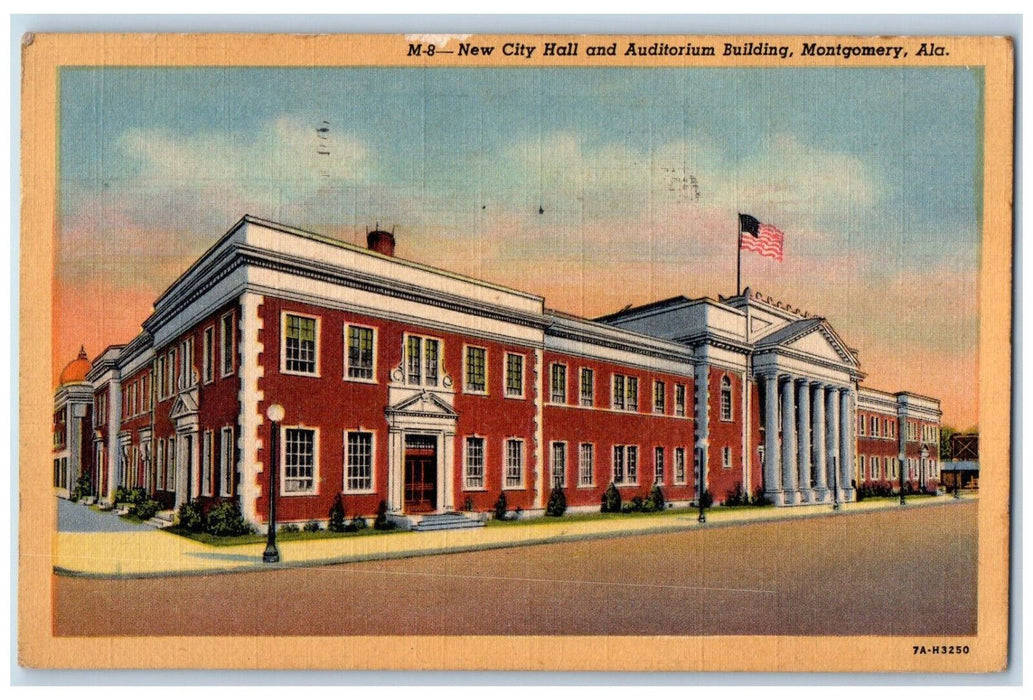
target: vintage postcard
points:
(515, 352)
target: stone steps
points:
(446, 521)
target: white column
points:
(832, 438)
(448, 463)
(803, 439)
(395, 467)
(772, 474)
(789, 484)
(846, 439)
(821, 487)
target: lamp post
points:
(701, 455)
(275, 413)
(922, 484)
(835, 483)
(903, 465)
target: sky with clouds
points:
(594, 187)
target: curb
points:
(486, 546)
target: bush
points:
(147, 509)
(83, 487)
(355, 525)
(468, 504)
(611, 500)
(736, 496)
(226, 520)
(138, 495)
(313, 526)
(557, 505)
(122, 495)
(501, 506)
(290, 527)
(759, 499)
(336, 523)
(707, 499)
(655, 501)
(382, 523)
(191, 517)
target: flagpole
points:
(738, 259)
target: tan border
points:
(44, 54)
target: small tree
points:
(336, 523)
(382, 523)
(611, 499)
(83, 487)
(501, 506)
(655, 501)
(557, 505)
(191, 517)
(226, 520)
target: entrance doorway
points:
(421, 473)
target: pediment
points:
(185, 405)
(812, 337)
(423, 404)
(818, 343)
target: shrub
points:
(147, 509)
(468, 504)
(736, 496)
(313, 526)
(355, 525)
(611, 499)
(557, 505)
(138, 495)
(122, 495)
(655, 501)
(382, 523)
(226, 520)
(707, 499)
(191, 517)
(759, 499)
(501, 507)
(83, 487)
(336, 523)
(290, 527)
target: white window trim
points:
(505, 464)
(662, 409)
(226, 463)
(283, 461)
(423, 360)
(283, 344)
(674, 469)
(662, 478)
(466, 377)
(208, 462)
(359, 380)
(505, 375)
(731, 399)
(552, 462)
(222, 344)
(580, 390)
(638, 465)
(681, 412)
(372, 461)
(566, 384)
(726, 457)
(484, 463)
(624, 392)
(591, 482)
(208, 357)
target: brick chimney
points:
(381, 242)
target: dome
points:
(75, 371)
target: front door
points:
(421, 474)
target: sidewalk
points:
(157, 553)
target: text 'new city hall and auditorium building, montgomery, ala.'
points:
(434, 392)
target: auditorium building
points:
(434, 392)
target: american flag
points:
(760, 237)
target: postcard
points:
(515, 352)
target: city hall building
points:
(434, 392)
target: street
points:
(909, 571)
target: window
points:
(476, 372)
(474, 476)
(208, 355)
(514, 375)
(587, 389)
(632, 393)
(659, 396)
(679, 465)
(618, 391)
(875, 426)
(658, 465)
(679, 399)
(514, 463)
(206, 463)
(227, 465)
(160, 467)
(228, 343)
(893, 428)
(421, 360)
(186, 363)
(361, 352)
(300, 346)
(860, 425)
(726, 457)
(726, 398)
(558, 394)
(861, 460)
(358, 468)
(586, 464)
(559, 464)
(170, 368)
(162, 383)
(625, 464)
(146, 398)
(299, 460)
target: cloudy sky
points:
(874, 175)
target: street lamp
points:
(903, 465)
(835, 483)
(275, 414)
(701, 490)
(922, 484)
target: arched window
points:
(726, 398)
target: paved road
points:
(74, 517)
(896, 572)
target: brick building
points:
(435, 392)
